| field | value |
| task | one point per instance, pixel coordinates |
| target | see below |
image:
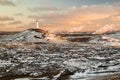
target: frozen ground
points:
(57, 61)
(44, 60)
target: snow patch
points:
(23, 79)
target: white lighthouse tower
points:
(37, 24)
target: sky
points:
(59, 15)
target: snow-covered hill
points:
(89, 56)
(104, 29)
(30, 35)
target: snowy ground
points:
(44, 60)
(57, 61)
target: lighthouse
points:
(37, 24)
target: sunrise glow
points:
(16, 15)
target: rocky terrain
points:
(30, 55)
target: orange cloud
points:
(91, 16)
(81, 15)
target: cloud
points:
(46, 8)
(6, 18)
(93, 16)
(2, 24)
(75, 16)
(18, 14)
(115, 17)
(7, 3)
(15, 22)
